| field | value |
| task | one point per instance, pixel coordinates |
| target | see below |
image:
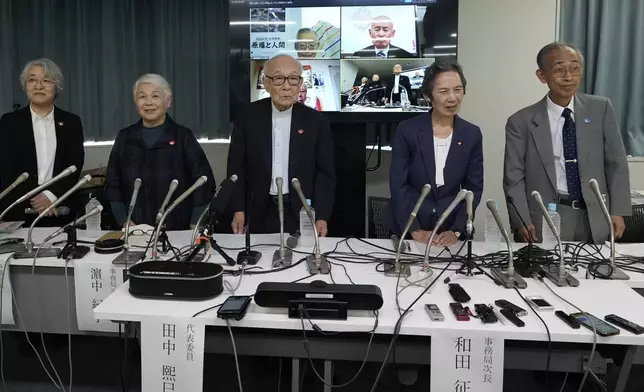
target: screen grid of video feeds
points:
(357, 56)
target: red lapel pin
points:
(300, 131)
(171, 142)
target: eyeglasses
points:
(279, 80)
(560, 72)
(47, 83)
(305, 45)
(139, 232)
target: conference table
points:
(269, 332)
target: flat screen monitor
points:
(360, 58)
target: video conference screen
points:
(357, 55)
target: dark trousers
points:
(270, 222)
(395, 97)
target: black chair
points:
(634, 232)
(376, 223)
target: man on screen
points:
(306, 44)
(279, 137)
(381, 33)
(395, 92)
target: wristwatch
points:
(458, 234)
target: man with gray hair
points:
(381, 32)
(556, 146)
(278, 137)
(41, 140)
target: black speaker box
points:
(176, 280)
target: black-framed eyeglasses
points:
(279, 80)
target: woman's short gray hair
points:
(155, 80)
(51, 71)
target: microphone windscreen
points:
(293, 240)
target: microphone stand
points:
(72, 249)
(524, 265)
(508, 278)
(29, 252)
(611, 271)
(248, 256)
(282, 257)
(316, 263)
(556, 274)
(128, 256)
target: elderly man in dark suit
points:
(557, 145)
(400, 83)
(381, 32)
(278, 137)
(42, 140)
(437, 148)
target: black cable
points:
(308, 351)
(547, 331)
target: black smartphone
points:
(602, 327)
(625, 324)
(234, 307)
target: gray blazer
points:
(529, 162)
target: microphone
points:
(457, 200)
(199, 183)
(21, 178)
(92, 212)
(559, 277)
(62, 211)
(216, 207)
(248, 256)
(282, 257)
(509, 278)
(397, 271)
(30, 244)
(316, 263)
(128, 256)
(71, 169)
(173, 187)
(605, 269)
(469, 202)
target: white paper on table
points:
(94, 281)
(466, 361)
(7, 298)
(172, 353)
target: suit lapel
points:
(296, 140)
(30, 156)
(585, 137)
(543, 140)
(426, 143)
(59, 125)
(265, 136)
(454, 155)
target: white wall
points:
(348, 75)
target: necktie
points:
(381, 55)
(570, 155)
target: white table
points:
(599, 297)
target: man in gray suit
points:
(556, 146)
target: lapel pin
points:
(171, 142)
(60, 123)
(459, 143)
(587, 120)
(300, 131)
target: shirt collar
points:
(48, 118)
(557, 110)
(385, 50)
(278, 112)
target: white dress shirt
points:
(441, 149)
(281, 140)
(396, 82)
(556, 130)
(45, 139)
(385, 51)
